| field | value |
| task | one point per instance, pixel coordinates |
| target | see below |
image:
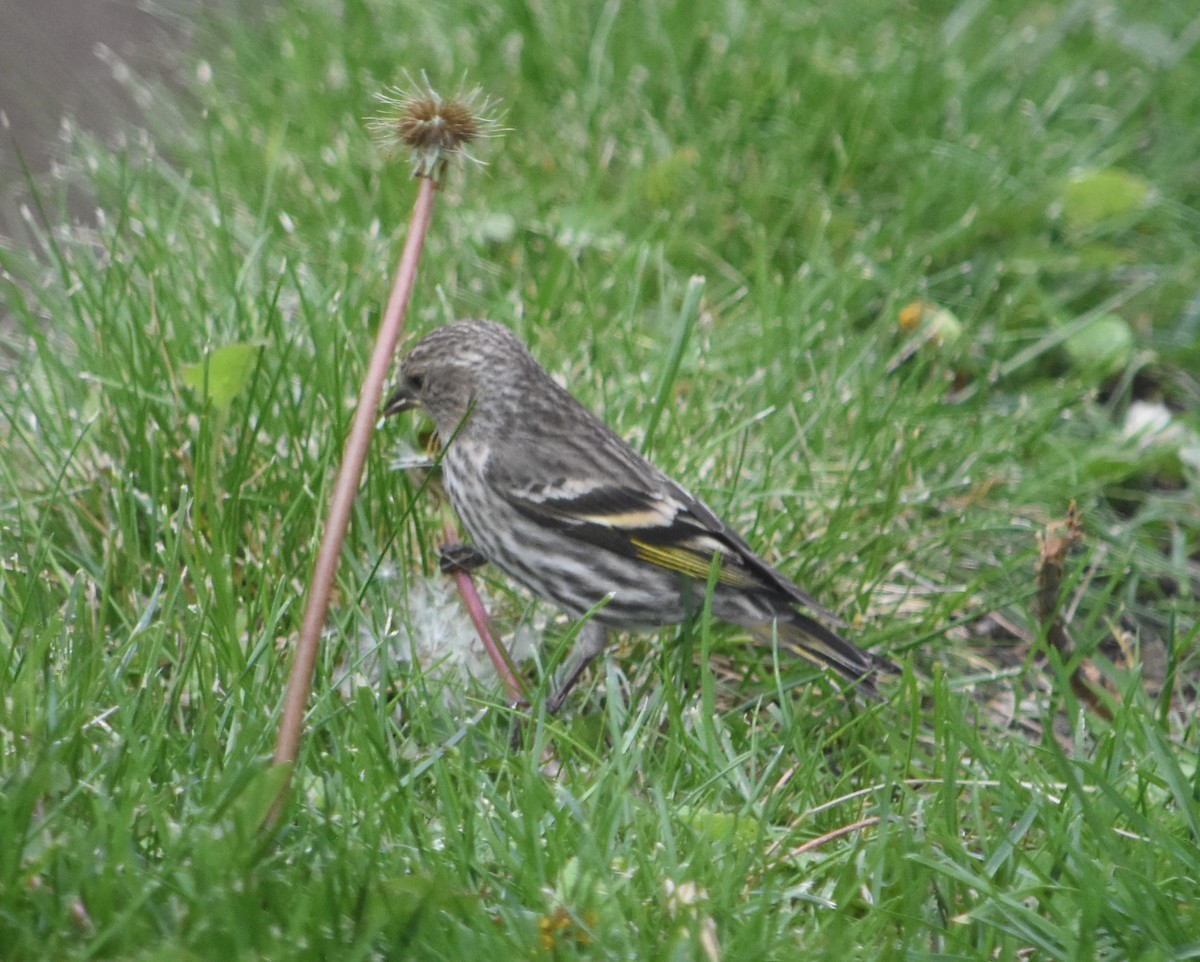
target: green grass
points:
(1030, 168)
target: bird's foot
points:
(459, 556)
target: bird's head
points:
(449, 370)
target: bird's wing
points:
(665, 526)
(764, 573)
(651, 525)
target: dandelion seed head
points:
(437, 125)
(433, 129)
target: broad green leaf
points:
(227, 369)
(1101, 348)
(1091, 197)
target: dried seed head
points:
(430, 125)
(433, 129)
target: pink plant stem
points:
(342, 501)
(483, 626)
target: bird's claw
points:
(459, 556)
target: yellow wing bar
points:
(691, 562)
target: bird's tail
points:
(807, 638)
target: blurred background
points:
(67, 58)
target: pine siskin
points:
(562, 504)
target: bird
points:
(563, 505)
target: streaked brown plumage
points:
(549, 494)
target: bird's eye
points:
(417, 381)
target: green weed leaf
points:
(223, 374)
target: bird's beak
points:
(401, 400)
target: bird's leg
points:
(591, 641)
(459, 556)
